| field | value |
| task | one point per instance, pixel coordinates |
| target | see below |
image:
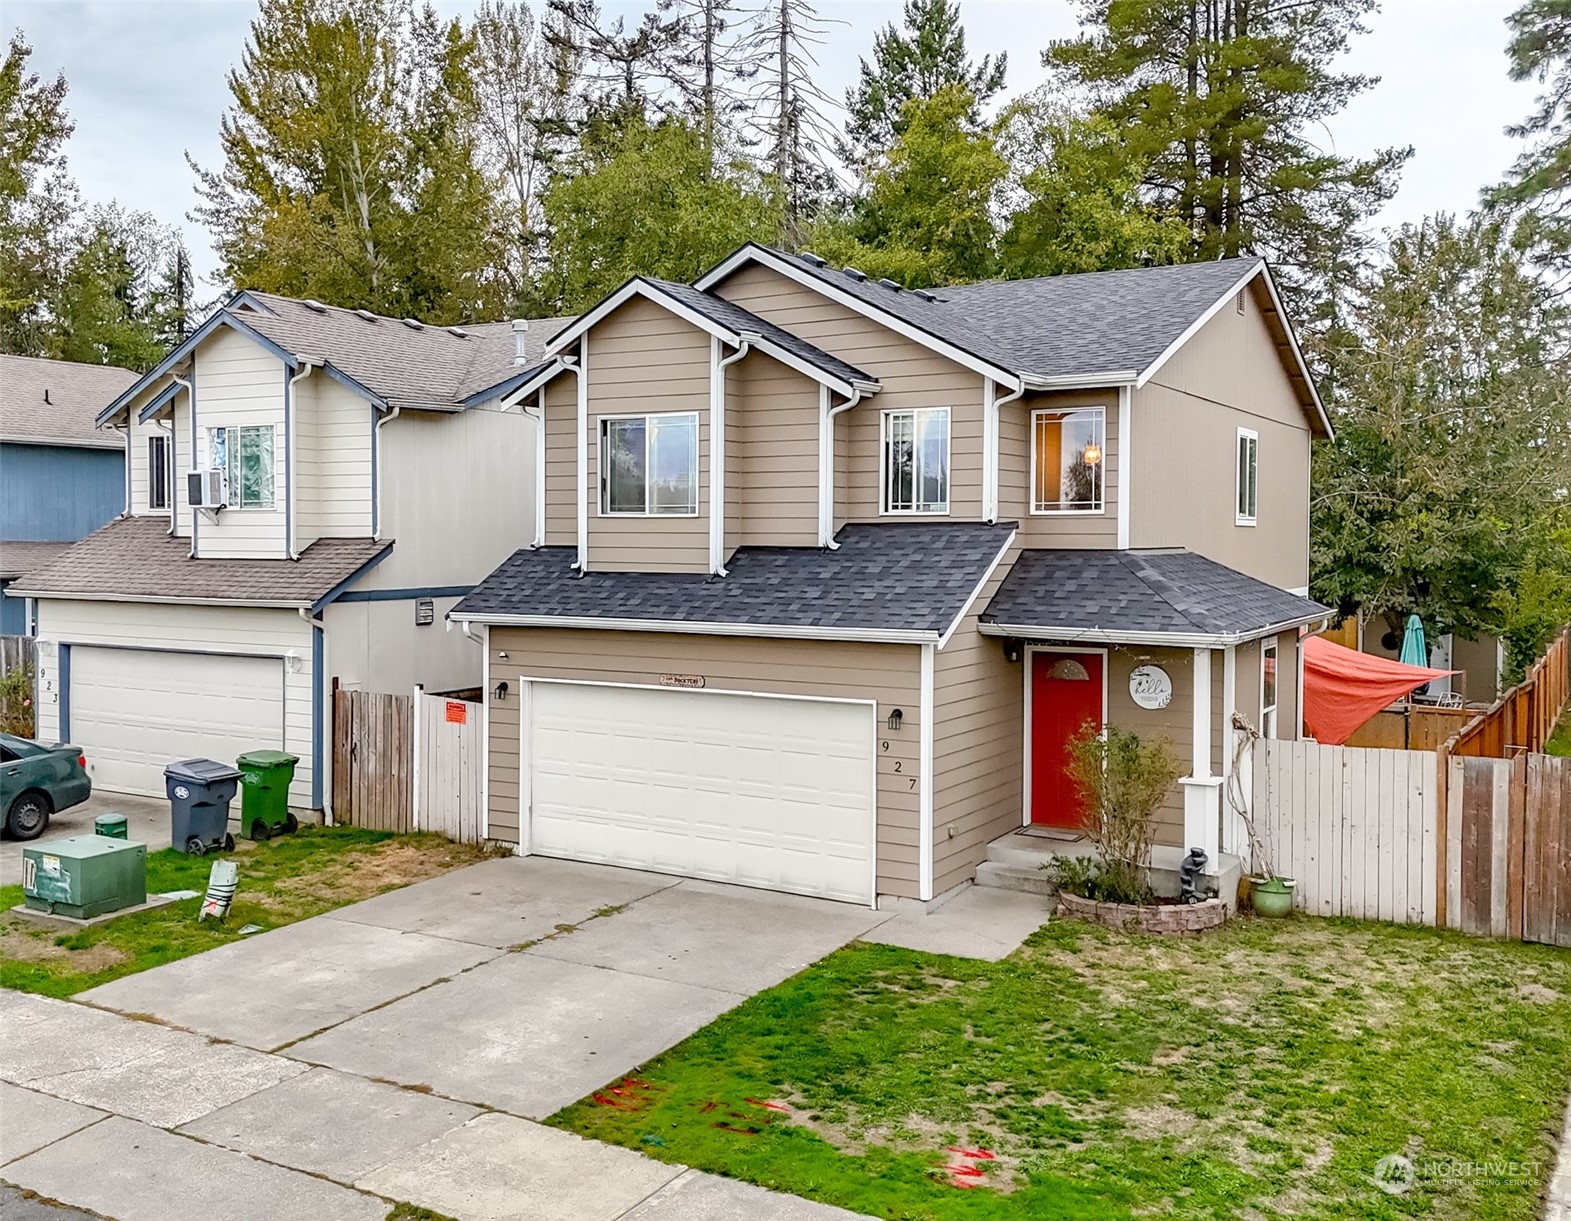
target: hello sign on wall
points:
(1150, 687)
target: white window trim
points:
(234, 491)
(883, 462)
(603, 487)
(1273, 647)
(1241, 518)
(1101, 509)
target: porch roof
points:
(1172, 597)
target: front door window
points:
(1066, 693)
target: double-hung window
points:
(245, 455)
(158, 471)
(1268, 677)
(649, 465)
(916, 460)
(1068, 457)
(1248, 475)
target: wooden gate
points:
(373, 760)
(450, 772)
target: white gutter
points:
(826, 463)
(694, 628)
(1080, 381)
(717, 379)
(67, 596)
(990, 445)
(306, 365)
(1177, 640)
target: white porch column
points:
(1202, 789)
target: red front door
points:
(1066, 692)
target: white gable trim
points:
(651, 292)
(766, 258)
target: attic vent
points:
(1239, 304)
(414, 324)
(923, 294)
(890, 284)
(312, 304)
(366, 314)
(459, 331)
(854, 273)
(807, 256)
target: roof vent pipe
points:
(520, 341)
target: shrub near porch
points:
(1260, 1072)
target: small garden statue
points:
(1190, 870)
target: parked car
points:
(37, 781)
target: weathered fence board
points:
(1524, 717)
(1546, 851)
(373, 760)
(452, 767)
(1356, 828)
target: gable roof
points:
(136, 559)
(890, 581)
(391, 362)
(1092, 329)
(54, 402)
(1139, 597)
(730, 322)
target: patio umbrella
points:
(1415, 652)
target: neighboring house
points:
(1480, 663)
(828, 572)
(362, 478)
(60, 478)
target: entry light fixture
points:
(895, 718)
(501, 692)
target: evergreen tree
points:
(913, 63)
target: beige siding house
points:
(829, 571)
(354, 477)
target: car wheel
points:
(195, 847)
(28, 816)
(260, 830)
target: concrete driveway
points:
(147, 822)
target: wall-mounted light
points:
(895, 718)
(501, 692)
(1011, 650)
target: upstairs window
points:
(1248, 475)
(649, 465)
(158, 471)
(1268, 676)
(1068, 458)
(246, 455)
(916, 461)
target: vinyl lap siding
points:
(238, 384)
(772, 467)
(1016, 482)
(889, 674)
(337, 445)
(561, 462)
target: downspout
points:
(174, 492)
(826, 464)
(376, 463)
(990, 448)
(128, 431)
(717, 379)
(576, 365)
(538, 416)
(290, 488)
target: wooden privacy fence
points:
(1480, 845)
(1524, 718)
(18, 668)
(1411, 727)
(408, 763)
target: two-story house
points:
(829, 572)
(309, 490)
(60, 478)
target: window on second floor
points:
(1068, 457)
(916, 461)
(158, 471)
(649, 465)
(1248, 476)
(1268, 675)
(245, 454)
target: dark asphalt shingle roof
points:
(732, 316)
(1169, 592)
(884, 577)
(135, 557)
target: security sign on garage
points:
(133, 711)
(757, 790)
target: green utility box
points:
(265, 776)
(111, 825)
(84, 876)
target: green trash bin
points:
(265, 776)
(110, 826)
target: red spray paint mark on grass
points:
(962, 1170)
(769, 1106)
(628, 1094)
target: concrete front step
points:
(1004, 875)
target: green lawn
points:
(1560, 741)
(281, 881)
(1259, 1072)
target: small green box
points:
(112, 826)
(84, 876)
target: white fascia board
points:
(50, 595)
(1298, 352)
(699, 628)
(1177, 640)
(792, 361)
(1193, 328)
(980, 586)
(756, 254)
(1081, 381)
(637, 288)
(519, 393)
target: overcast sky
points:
(148, 84)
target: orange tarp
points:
(1343, 688)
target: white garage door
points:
(760, 791)
(133, 711)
